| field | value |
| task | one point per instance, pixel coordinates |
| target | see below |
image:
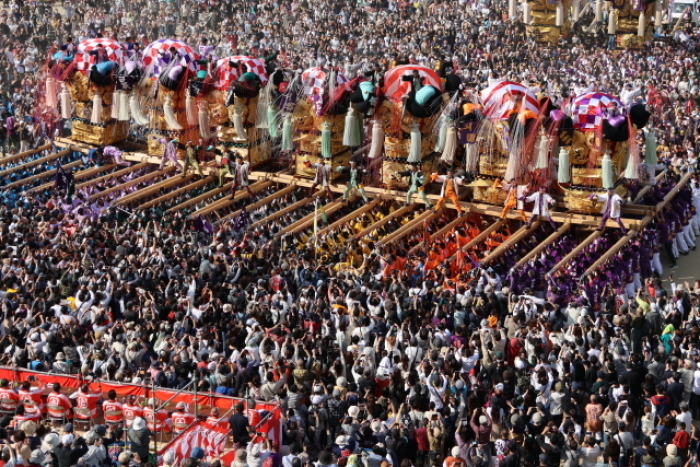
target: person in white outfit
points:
(612, 208)
(542, 202)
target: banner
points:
(16, 376)
(211, 439)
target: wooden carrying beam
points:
(149, 190)
(669, 196)
(480, 238)
(26, 165)
(226, 200)
(509, 242)
(587, 241)
(353, 215)
(260, 202)
(329, 208)
(24, 154)
(393, 215)
(39, 176)
(136, 181)
(443, 231)
(611, 252)
(118, 173)
(536, 251)
(288, 209)
(174, 193)
(77, 176)
(644, 190)
(408, 227)
(209, 194)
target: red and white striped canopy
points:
(395, 88)
(225, 75)
(113, 51)
(315, 78)
(157, 56)
(499, 100)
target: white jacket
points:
(323, 174)
(615, 207)
(542, 202)
(456, 182)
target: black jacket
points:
(66, 456)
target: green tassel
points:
(272, 121)
(287, 141)
(326, 141)
(350, 136)
(631, 169)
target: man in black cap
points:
(415, 184)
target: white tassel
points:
(96, 117)
(559, 18)
(512, 10)
(607, 171)
(169, 113)
(650, 156)
(631, 169)
(115, 104)
(542, 162)
(527, 13)
(51, 93)
(658, 14)
(414, 154)
(191, 110)
(123, 107)
(238, 122)
(65, 104)
(612, 23)
(350, 133)
(598, 11)
(375, 149)
(577, 10)
(135, 108)
(472, 161)
(331, 84)
(440, 145)
(203, 116)
(512, 166)
(564, 175)
(642, 27)
(448, 154)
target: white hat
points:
(138, 424)
(316, 400)
(341, 440)
(455, 451)
(67, 439)
(354, 410)
(169, 457)
(376, 426)
(50, 442)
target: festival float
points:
(546, 20)
(407, 121)
(88, 96)
(159, 100)
(240, 106)
(630, 20)
(324, 126)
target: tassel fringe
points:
(115, 104)
(51, 93)
(414, 154)
(448, 153)
(96, 117)
(607, 171)
(123, 107)
(135, 108)
(191, 110)
(238, 122)
(350, 133)
(375, 149)
(564, 172)
(65, 104)
(326, 150)
(203, 117)
(287, 134)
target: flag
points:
(241, 221)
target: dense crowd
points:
(379, 357)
